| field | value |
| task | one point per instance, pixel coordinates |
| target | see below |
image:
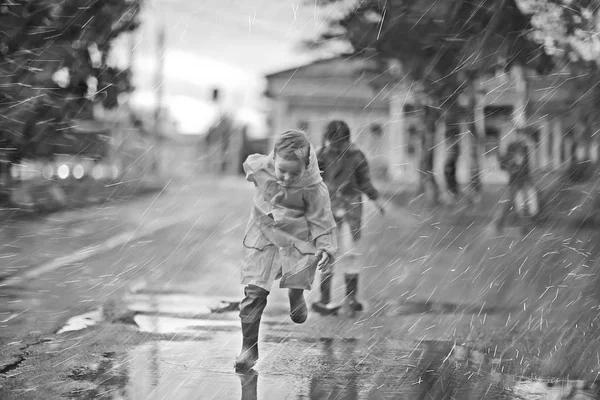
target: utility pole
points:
(159, 83)
(159, 80)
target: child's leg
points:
(353, 265)
(322, 306)
(251, 309)
(520, 202)
(506, 203)
(532, 201)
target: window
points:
(492, 141)
(413, 140)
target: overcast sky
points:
(226, 43)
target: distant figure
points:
(522, 193)
(345, 170)
(450, 168)
(291, 233)
(218, 141)
(379, 163)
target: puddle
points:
(183, 305)
(576, 390)
(82, 321)
(325, 368)
(200, 363)
(182, 326)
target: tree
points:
(445, 46)
(568, 31)
(52, 54)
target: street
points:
(152, 315)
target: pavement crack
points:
(12, 366)
(20, 357)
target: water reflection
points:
(315, 369)
(249, 382)
(339, 377)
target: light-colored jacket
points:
(287, 225)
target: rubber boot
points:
(298, 310)
(251, 309)
(322, 306)
(249, 353)
(351, 290)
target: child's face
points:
(288, 172)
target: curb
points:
(85, 253)
(13, 212)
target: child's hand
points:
(324, 260)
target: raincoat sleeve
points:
(250, 166)
(363, 177)
(320, 218)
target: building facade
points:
(386, 126)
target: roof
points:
(343, 57)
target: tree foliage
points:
(443, 46)
(39, 38)
(568, 30)
(440, 44)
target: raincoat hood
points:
(311, 176)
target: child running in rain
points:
(522, 193)
(345, 171)
(291, 233)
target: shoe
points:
(298, 309)
(351, 289)
(251, 309)
(325, 309)
(354, 305)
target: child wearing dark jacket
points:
(522, 193)
(345, 171)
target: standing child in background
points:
(291, 233)
(345, 171)
(521, 193)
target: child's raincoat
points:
(287, 225)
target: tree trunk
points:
(520, 110)
(477, 129)
(427, 182)
(452, 153)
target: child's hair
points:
(293, 145)
(336, 132)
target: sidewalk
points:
(34, 201)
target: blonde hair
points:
(293, 145)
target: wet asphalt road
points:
(166, 286)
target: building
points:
(308, 97)
(385, 125)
